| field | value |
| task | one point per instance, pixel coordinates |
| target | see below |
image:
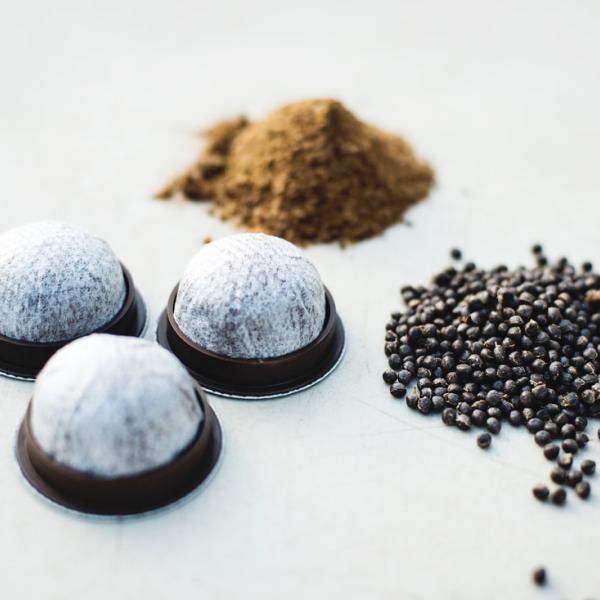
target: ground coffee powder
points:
(311, 172)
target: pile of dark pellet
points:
(481, 347)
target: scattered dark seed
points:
(541, 492)
(588, 467)
(395, 361)
(493, 425)
(456, 254)
(558, 496)
(570, 446)
(398, 390)
(582, 439)
(463, 422)
(515, 418)
(582, 489)
(412, 400)
(539, 574)
(567, 431)
(551, 451)
(551, 428)
(404, 376)
(542, 438)
(558, 475)
(484, 440)
(565, 461)
(437, 403)
(478, 417)
(534, 425)
(573, 478)
(425, 405)
(449, 416)
(390, 376)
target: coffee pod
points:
(59, 283)
(116, 426)
(250, 318)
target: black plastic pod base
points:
(256, 378)
(24, 360)
(121, 496)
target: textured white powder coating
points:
(251, 296)
(114, 406)
(57, 283)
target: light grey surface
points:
(250, 296)
(114, 406)
(58, 282)
(338, 492)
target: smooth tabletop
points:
(339, 491)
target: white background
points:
(338, 492)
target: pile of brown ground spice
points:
(311, 172)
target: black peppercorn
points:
(582, 439)
(515, 418)
(551, 451)
(582, 489)
(395, 361)
(452, 399)
(464, 408)
(542, 438)
(449, 416)
(484, 440)
(494, 412)
(573, 478)
(588, 466)
(558, 475)
(551, 428)
(567, 431)
(493, 425)
(487, 345)
(390, 376)
(539, 574)
(437, 403)
(404, 376)
(558, 496)
(570, 446)
(565, 461)
(494, 397)
(478, 417)
(541, 492)
(425, 405)
(398, 390)
(534, 425)
(463, 422)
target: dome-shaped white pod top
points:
(113, 406)
(250, 296)
(57, 283)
